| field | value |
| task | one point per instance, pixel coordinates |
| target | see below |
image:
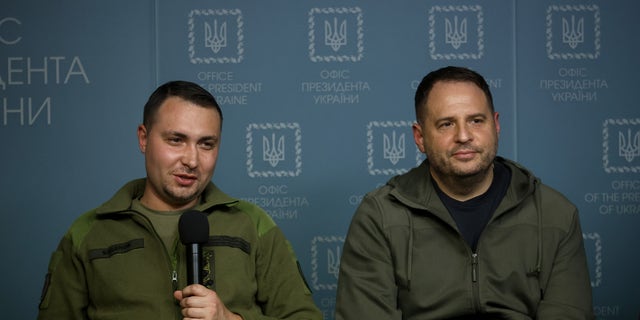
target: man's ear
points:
(142, 138)
(418, 138)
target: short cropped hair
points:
(186, 90)
(448, 74)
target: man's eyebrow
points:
(209, 138)
(471, 116)
(444, 119)
(478, 115)
(171, 133)
(174, 133)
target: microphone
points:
(193, 227)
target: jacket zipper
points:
(474, 267)
(474, 281)
(174, 265)
(174, 279)
(475, 287)
(172, 261)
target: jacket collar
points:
(415, 189)
(122, 199)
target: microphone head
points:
(193, 227)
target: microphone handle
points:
(194, 263)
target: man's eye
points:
(208, 145)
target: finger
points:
(194, 290)
(198, 302)
(195, 313)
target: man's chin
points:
(468, 171)
(183, 198)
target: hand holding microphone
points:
(198, 301)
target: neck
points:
(466, 187)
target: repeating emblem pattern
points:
(573, 32)
(621, 145)
(336, 34)
(281, 150)
(594, 252)
(387, 148)
(216, 36)
(325, 261)
(456, 32)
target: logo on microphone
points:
(216, 36)
(274, 150)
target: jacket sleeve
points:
(64, 295)
(366, 282)
(567, 294)
(282, 290)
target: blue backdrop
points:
(318, 104)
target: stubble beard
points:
(180, 195)
(452, 171)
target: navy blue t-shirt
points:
(472, 216)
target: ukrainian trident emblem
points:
(572, 33)
(272, 151)
(333, 261)
(335, 36)
(455, 33)
(215, 38)
(393, 149)
(629, 147)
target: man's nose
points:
(463, 134)
(190, 156)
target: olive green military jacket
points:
(111, 264)
(404, 257)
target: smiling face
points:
(181, 150)
(458, 132)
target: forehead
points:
(178, 114)
(452, 96)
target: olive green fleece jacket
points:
(404, 257)
(111, 264)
